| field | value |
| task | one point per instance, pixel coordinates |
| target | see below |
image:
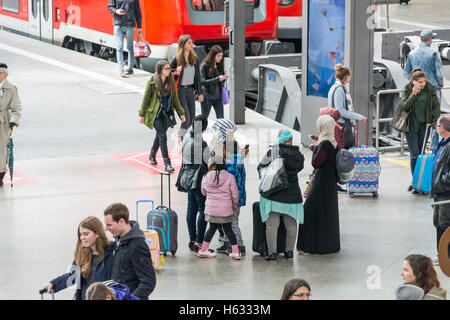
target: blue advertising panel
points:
(326, 44)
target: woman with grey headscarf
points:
(320, 230)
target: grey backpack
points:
(344, 166)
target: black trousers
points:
(215, 103)
(187, 100)
(441, 221)
(161, 136)
(226, 227)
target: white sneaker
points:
(435, 261)
(206, 254)
(235, 255)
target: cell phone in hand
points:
(121, 10)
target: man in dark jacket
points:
(132, 260)
(127, 14)
(440, 185)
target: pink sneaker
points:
(206, 254)
(235, 255)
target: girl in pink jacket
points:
(222, 199)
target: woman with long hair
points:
(157, 110)
(418, 270)
(296, 289)
(93, 260)
(213, 77)
(187, 76)
(420, 100)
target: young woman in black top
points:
(212, 77)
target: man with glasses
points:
(127, 14)
(10, 113)
(440, 183)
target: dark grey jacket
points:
(133, 263)
(133, 14)
(440, 186)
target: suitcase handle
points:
(367, 133)
(425, 140)
(162, 184)
(143, 201)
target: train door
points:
(41, 19)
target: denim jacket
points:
(429, 61)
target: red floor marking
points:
(18, 178)
(140, 160)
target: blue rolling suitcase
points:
(164, 221)
(367, 168)
(423, 171)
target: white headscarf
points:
(325, 124)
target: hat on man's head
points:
(409, 292)
(3, 65)
(428, 35)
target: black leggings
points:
(226, 227)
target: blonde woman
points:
(320, 230)
(93, 260)
(187, 75)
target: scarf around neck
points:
(164, 89)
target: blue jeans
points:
(196, 203)
(415, 144)
(435, 140)
(119, 33)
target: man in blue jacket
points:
(127, 14)
(132, 260)
(429, 60)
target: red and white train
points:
(86, 25)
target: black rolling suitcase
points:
(259, 234)
(164, 221)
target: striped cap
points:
(223, 127)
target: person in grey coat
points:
(10, 113)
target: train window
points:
(46, 9)
(34, 8)
(285, 3)
(10, 5)
(212, 5)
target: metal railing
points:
(387, 120)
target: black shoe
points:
(410, 188)
(224, 248)
(340, 189)
(191, 245)
(2, 175)
(271, 257)
(167, 165)
(289, 255)
(415, 191)
(152, 158)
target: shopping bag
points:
(141, 48)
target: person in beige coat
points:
(10, 113)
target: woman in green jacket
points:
(419, 98)
(157, 110)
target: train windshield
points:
(212, 5)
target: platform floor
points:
(80, 148)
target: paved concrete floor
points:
(73, 122)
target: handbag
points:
(171, 121)
(141, 49)
(347, 133)
(401, 119)
(225, 98)
(273, 178)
